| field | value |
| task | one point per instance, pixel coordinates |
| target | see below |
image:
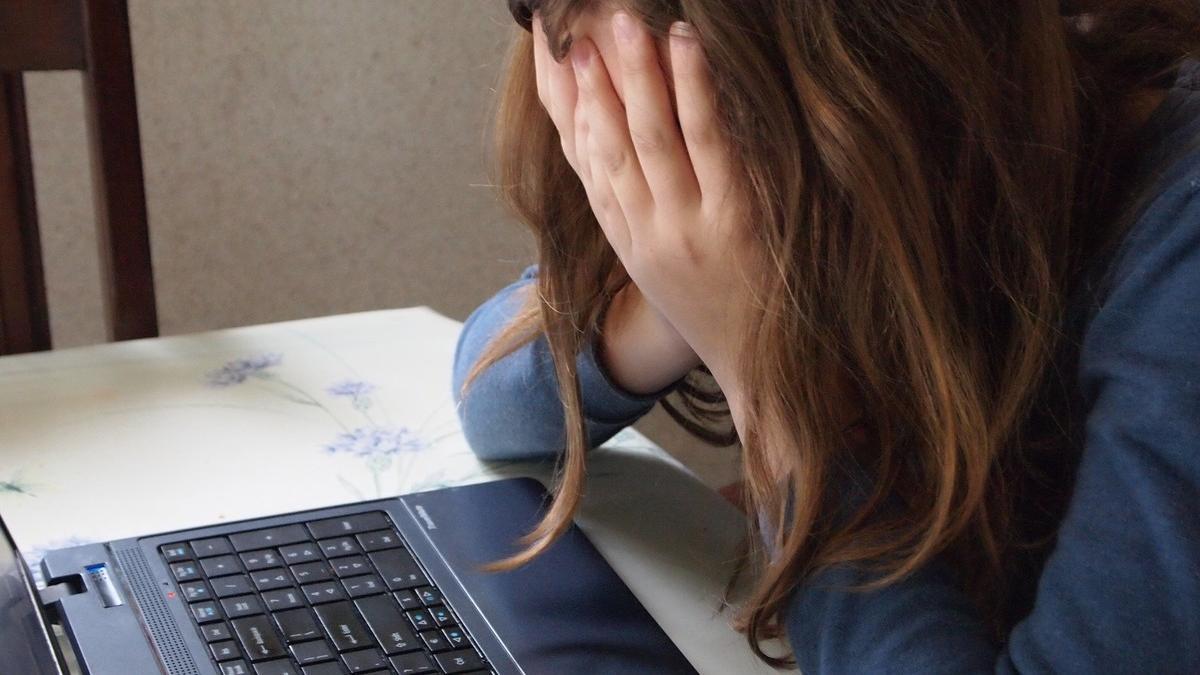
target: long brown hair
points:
(929, 182)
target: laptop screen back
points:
(26, 646)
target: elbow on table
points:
(496, 423)
(499, 435)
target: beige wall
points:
(303, 157)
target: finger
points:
(602, 201)
(650, 119)
(539, 56)
(697, 113)
(556, 90)
(608, 209)
(582, 143)
(610, 145)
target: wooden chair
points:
(91, 36)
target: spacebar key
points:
(343, 625)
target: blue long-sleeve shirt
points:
(1119, 592)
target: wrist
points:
(638, 348)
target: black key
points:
(185, 571)
(459, 661)
(365, 661)
(260, 560)
(225, 650)
(216, 631)
(242, 605)
(235, 585)
(361, 522)
(413, 663)
(325, 591)
(377, 541)
(429, 595)
(420, 619)
(310, 572)
(281, 667)
(220, 566)
(205, 612)
(205, 548)
(265, 580)
(368, 584)
(195, 590)
(176, 552)
(297, 625)
(398, 568)
(300, 553)
(434, 641)
(351, 566)
(283, 598)
(323, 669)
(268, 538)
(455, 637)
(408, 599)
(258, 638)
(340, 546)
(235, 668)
(343, 626)
(312, 652)
(387, 624)
(441, 616)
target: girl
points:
(935, 265)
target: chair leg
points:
(121, 222)
(24, 319)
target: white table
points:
(120, 440)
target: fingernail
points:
(683, 29)
(581, 54)
(623, 27)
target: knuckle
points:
(602, 208)
(686, 248)
(705, 135)
(615, 161)
(648, 141)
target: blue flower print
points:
(374, 442)
(357, 391)
(376, 446)
(238, 371)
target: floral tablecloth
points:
(121, 440)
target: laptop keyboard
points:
(326, 597)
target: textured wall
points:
(303, 157)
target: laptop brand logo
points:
(429, 524)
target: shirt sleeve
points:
(513, 410)
(1120, 591)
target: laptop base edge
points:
(105, 639)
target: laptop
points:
(386, 586)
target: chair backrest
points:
(91, 36)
